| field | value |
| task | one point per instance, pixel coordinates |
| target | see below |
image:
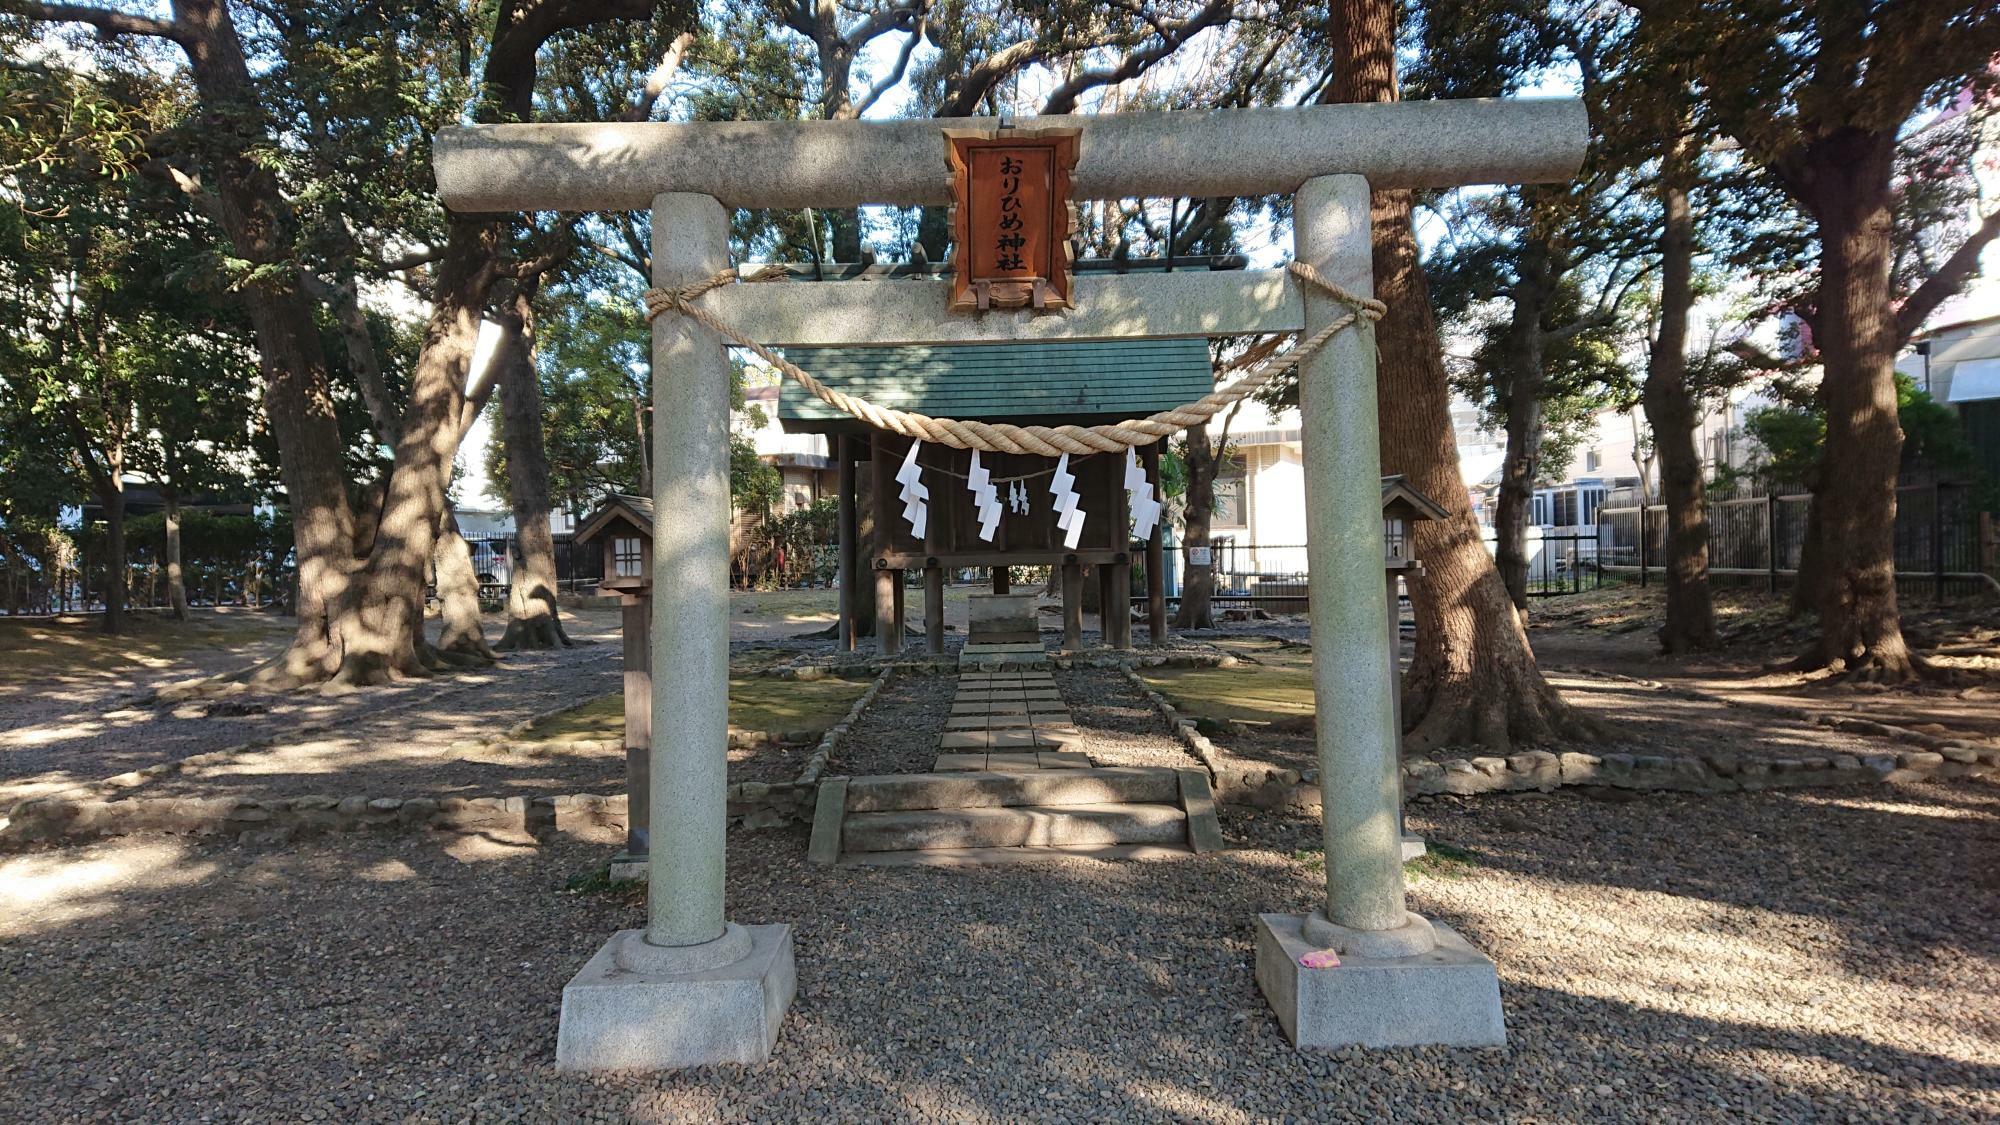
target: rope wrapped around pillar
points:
(1002, 437)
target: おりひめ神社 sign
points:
(1011, 217)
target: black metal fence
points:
(1941, 538)
(1270, 577)
(1562, 564)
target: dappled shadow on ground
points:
(69, 656)
(1685, 966)
(409, 721)
(1636, 718)
(1613, 631)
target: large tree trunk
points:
(1670, 409)
(176, 584)
(461, 633)
(1851, 196)
(113, 499)
(298, 397)
(1197, 608)
(533, 618)
(359, 622)
(1474, 679)
(383, 640)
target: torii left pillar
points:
(692, 988)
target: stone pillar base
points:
(629, 868)
(1449, 996)
(617, 1019)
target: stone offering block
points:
(1003, 619)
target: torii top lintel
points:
(1260, 151)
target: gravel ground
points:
(1118, 726)
(1776, 956)
(899, 731)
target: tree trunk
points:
(113, 499)
(1670, 409)
(1860, 628)
(1520, 397)
(533, 617)
(460, 629)
(1517, 488)
(1203, 460)
(176, 586)
(1810, 587)
(383, 638)
(1473, 679)
(298, 396)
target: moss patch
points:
(1443, 861)
(1251, 693)
(755, 703)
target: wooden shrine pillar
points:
(847, 531)
(933, 608)
(1156, 553)
(1000, 579)
(1072, 605)
(1119, 604)
(637, 611)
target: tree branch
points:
(108, 23)
(1172, 38)
(895, 75)
(344, 299)
(1946, 281)
(656, 82)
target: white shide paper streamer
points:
(915, 493)
(1069, 517)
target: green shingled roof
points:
(1125, 378)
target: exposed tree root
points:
(1889, 665)
(538, 632)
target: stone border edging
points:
(1245, 781)
(823, 753)
(278, 820)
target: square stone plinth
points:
(613, 1019)
(1447, 997)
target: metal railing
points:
(1942, 540)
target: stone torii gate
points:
(694, 988)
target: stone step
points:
(990, 761)
(990, 789)
(1014, 826)
(981, 857)
(1039, 738)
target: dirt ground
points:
(1611, 630)
(1765, 957)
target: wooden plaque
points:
(1011, 217)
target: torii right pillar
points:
(1401, 980)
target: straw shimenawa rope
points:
(1002, 437)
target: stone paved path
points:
(1008, 721)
